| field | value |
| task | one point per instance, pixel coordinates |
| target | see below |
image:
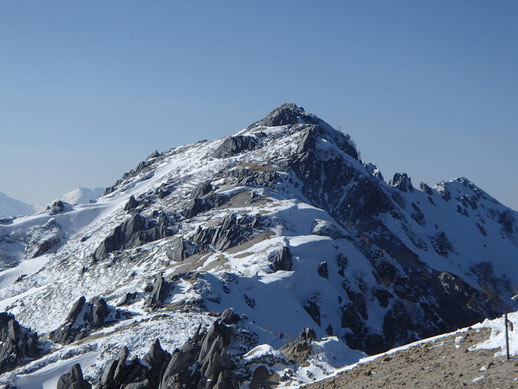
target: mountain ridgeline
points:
(284, 224)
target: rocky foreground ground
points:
(443, 363)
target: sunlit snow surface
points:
(41, 291)
(497, 338)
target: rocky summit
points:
(269, 258)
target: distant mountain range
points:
(12, 207)
(81, 195)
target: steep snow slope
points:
(284, 223)
(12, 207)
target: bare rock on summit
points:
(287, 114)
(402, 182)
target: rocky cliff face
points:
(282, 222)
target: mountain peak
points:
(287, 114)
(283, 223)
(298, 120)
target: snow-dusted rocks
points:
(160, 292)
(299, 350)
(402, 182)
(17, 344)
(85, 317)
(284, 223)
(202, 362)
(42, 238)
(73, 379)
(134, 232)
(236, 145)
(282, 260)
(135, 373)
(58, 207)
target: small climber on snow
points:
(281, 335)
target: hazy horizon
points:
(90, 89)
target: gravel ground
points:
(442, 363)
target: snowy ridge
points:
(284, 223)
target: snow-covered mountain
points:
(81, 196)
(282, 222)
(12, 207)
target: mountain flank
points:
(275, 255)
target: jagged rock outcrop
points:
(197, 205)
(85, 317)
(313, 310)
(128, 298)
(282, 260)
(425, 188)
(73, 379)
(202, 362)
(235, 145)
(160, 292)
(18, 344)
(284, 115)
(373, 169)
(134, 232)
(299, 350)
(45, 246)
(143, 168)
(324, 179)
(402, 182)
(134, 373)
(177, 249)
(59, 207)
(234, 229)
(202, 189)
(131, 204)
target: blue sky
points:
(88, 89)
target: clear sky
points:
(90, 88)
